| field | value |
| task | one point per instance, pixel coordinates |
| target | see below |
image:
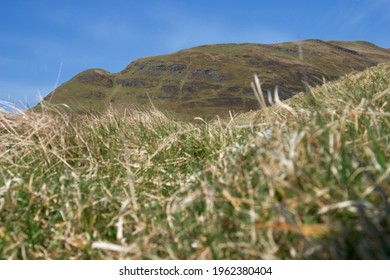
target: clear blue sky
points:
(42, 42)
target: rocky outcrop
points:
(210, 74)
(96, 77)
(136, 83)
(193, 87)
(171, 89)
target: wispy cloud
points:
(108, 30)
(352, 15)
(185, 30)
(22, 95)
(197, 33)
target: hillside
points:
(213, 79)
(308, 178)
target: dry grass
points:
(304, 179)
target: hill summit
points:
(215, 79)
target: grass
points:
(304, 179)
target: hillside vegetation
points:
(213, 79)
(304, 179)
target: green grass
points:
(304, 179)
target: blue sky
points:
(45, 43)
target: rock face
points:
(96, 77)
(213, 79)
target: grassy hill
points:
(213, 79)
(304, 179)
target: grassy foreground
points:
(304, 179)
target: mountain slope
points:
(213, 79)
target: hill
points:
(213, 79)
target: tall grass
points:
(304, 179)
